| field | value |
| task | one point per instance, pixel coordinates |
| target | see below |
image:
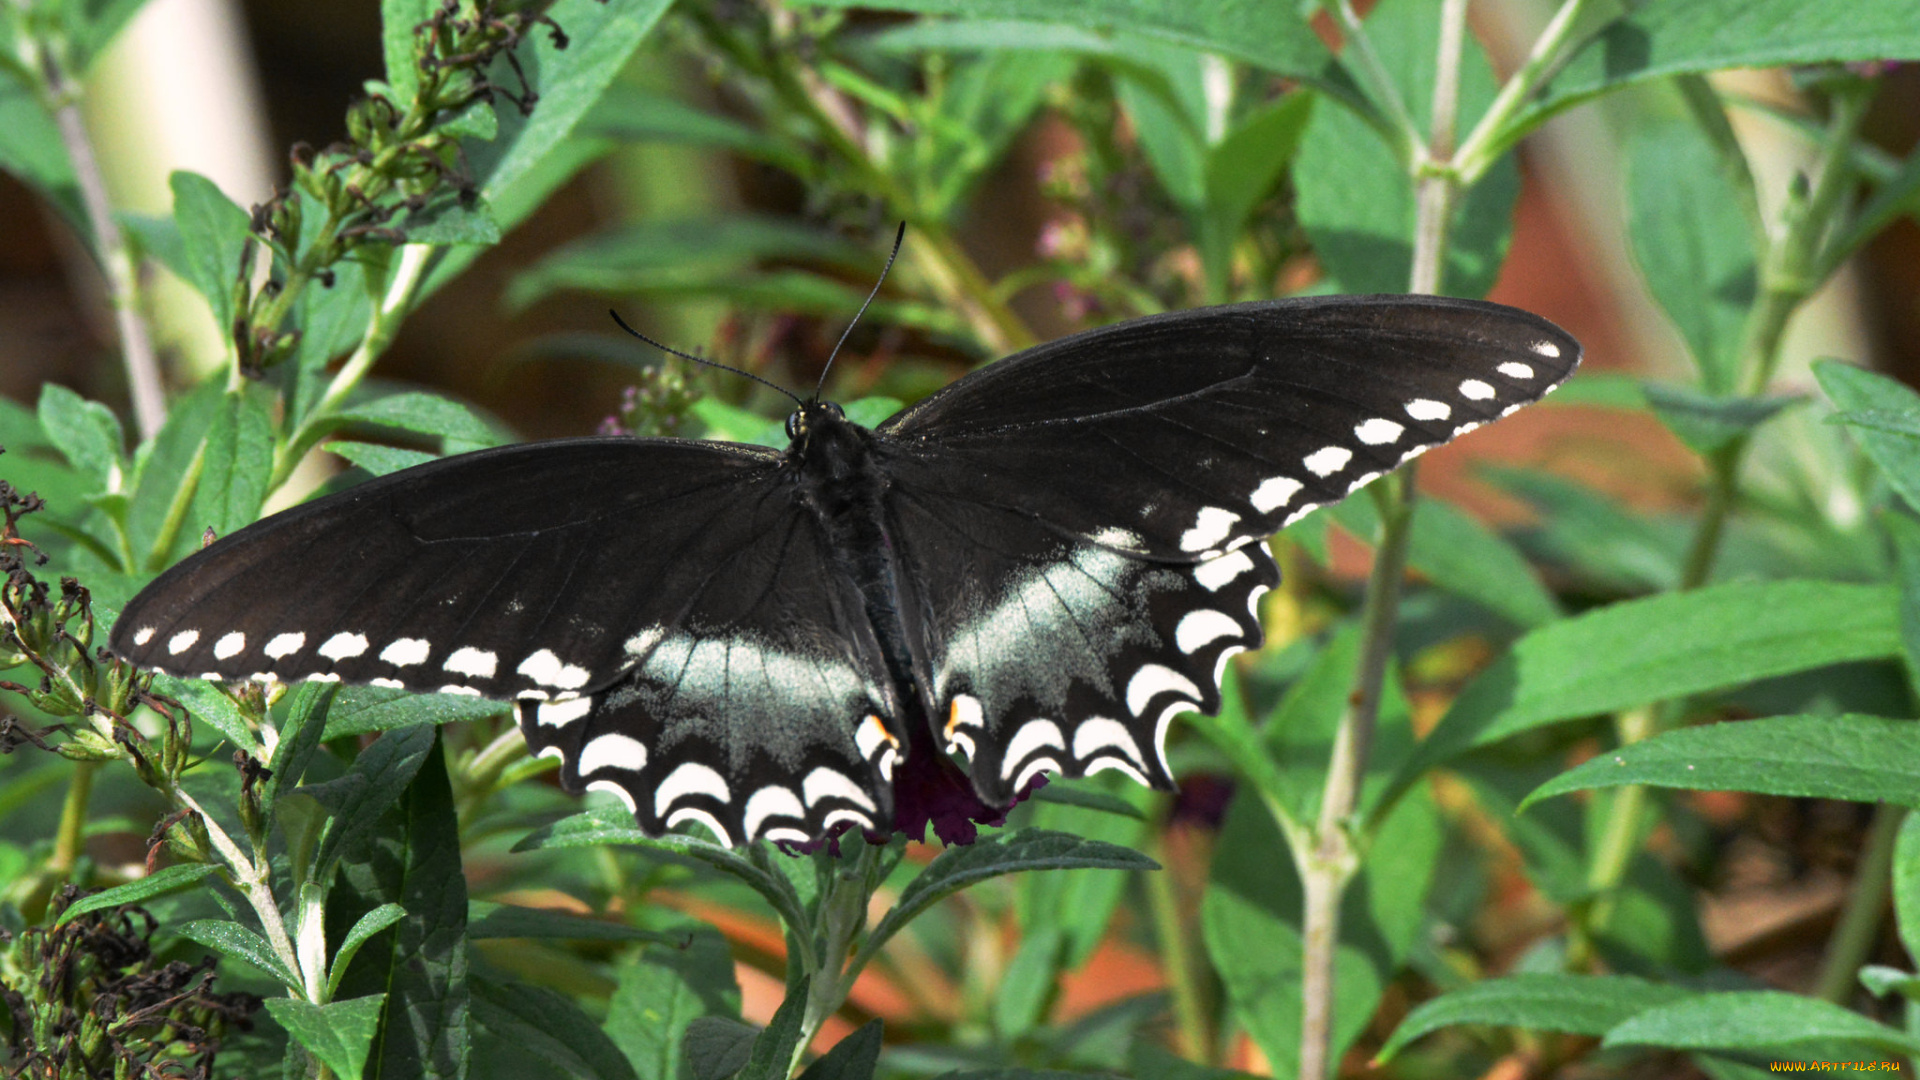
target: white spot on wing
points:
(1124, 539)
(323, 676)
(390, 684)
(344, 646)
(472, 662)
(455, 688)
(835, 817)
(1476, 390)
(1303, 511)
(825, 783)
(406, 651)
(611, 787)
(1032, 735)
(1108, 761)
(562, 713)
(1327, 460)
(1253, 601)
(770, 801)
(1428, 409)
(613, 751)
(229, 646)
(1464, 428)
(1153, 680)
(1378, 431)
(145, 635)
(1033, 769)
(1198, 629)
(1210, 527)
(1546, 348)
(182, 641)
(546, 669)
(1100, 733)
(694, 813)
(965, 712)
(691, 778)
(1216, 573)
(1274, 493)
(1515, 370)
(1220, 665)
(640, 643)
(284, 645)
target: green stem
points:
(1170, 927)
(1373, 74)
(1493, 135)
(381, 326)
(70, 837)
(1859, 928)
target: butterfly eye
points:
(793, 424)
(834, 409)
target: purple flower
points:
(929, 789)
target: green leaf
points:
(1269, 36)
(490, 920)
(1250, 918)
(661, 254)
(1243, 170)
(100, 22)
(602, 36)
(210, 705)
(551, 1026)
(332, 319)
(1856, 390)
(360, 709)
(1906, 883)
(718, 1047)
(1659, 38)
(773, 1049)
(957, 868)
(1069, 793)
(1463, 557)
(32, 152)
(85, 431)
(379, 460)
(1661, 648)
(338, 1034)
(1710, 424)
(855, 1057)
(450, 220)
(1857, 758)
(660, 991)
(1579, 1004)
(613, 824)
(300, 737)
(231, 939)
(402, 47)
(1693, 242)
(1880, 980)
(628, 112)
(413, 860)
(359, 798)
(363, 928)
(1355, 193)
(1754, 1020)
(1171, 138)
(427, 414)
(213, 230)
(170, 469)
(1610, 545)
(236, 466)
(158, 883)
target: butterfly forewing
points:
(663, 614)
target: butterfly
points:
(1037, 567)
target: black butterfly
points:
(1039, 566)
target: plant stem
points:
(385, 320)
(1494, 135)
(1378, 82)
(1170, 929)
(71, 835)
(1335, 856)
(1859, 926)
(1789, 273)
(110, 247)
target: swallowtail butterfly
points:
(1037, 567)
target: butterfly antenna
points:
(671, 351)
(899, 235)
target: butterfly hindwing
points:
(664, 615)
(1049, 652)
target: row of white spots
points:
(1202, 627)
(870, 736)
(344, 645)
(546, 669)
(182, 641)
(1218, 572)
(1274, 493)
(963, 717)
(472, 662)
(406, 651)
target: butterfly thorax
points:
(840, 479)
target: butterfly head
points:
(810, 418)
